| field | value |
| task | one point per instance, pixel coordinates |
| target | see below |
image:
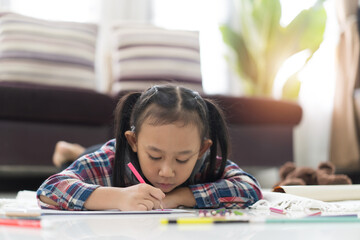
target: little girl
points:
(172, 137)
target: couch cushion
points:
(144, 55)
(47, 52)
(34, 102)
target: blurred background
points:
(306, 74)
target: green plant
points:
(260, 44)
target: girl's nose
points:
(166, 171)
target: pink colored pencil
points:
(139, 178)
(20, 223)
(136, 173)
(314, 214)
(276, 210)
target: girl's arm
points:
(86, 184)
(69, 189)
(140, 197)
(182, 196)
(76, 196)
(236, 189)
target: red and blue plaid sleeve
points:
(236, 189)
(71, 187)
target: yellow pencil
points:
(201, 220)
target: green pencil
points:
(314, 220)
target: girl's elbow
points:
(257, 193)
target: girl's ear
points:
(131, 138)
(206, 144)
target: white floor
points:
(149, 227)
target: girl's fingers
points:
(153, 191)
(157, 193)
(159, 196)
(148, 204)
(149, 197)
(156, 202)
(141, 207)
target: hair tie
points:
(156, 89)
(132, 128)
(197, 95)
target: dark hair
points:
(166, 104)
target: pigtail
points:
(122, 114)
(219, 135)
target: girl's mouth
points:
(165, 186)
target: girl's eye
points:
(182, 161)
(154, 158)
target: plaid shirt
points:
(71, 187)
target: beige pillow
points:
(144, 55)
(47, 52)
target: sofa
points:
(48, 94)
(34, 117)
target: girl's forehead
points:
(158, 115)
(173, 133)
(158, 123)
(174, 126)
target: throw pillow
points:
(47, 52)
(144, 55)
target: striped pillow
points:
(47, 52)
(145, 55)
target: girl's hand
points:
(179, 197)
(140, 197)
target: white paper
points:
(325, 192)
(113, 212)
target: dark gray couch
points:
(34, 117)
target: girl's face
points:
(167, 153)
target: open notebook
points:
(326, 193)
(26, 203)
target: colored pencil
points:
(212, 220)
(201, 220)
(276, 210)
(314, 220)
(136, 173)
(23, 214)
(20, 223)
(138, 177)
